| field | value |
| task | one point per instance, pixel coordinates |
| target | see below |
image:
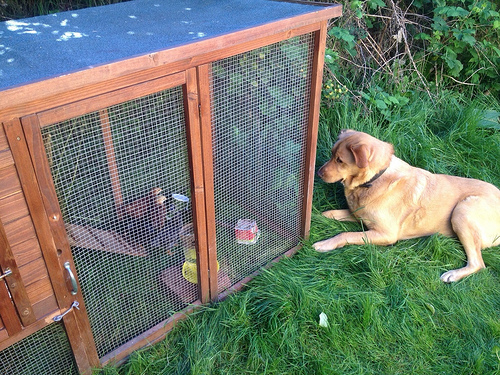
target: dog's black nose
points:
(320, 172)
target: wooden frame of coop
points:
(39, 278)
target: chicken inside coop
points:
(151, 220)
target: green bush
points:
(462, 43)
(433, 44)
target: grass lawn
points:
(388, 311)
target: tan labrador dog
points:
(396, 201)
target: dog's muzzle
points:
(320, 172)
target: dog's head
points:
(356, 158)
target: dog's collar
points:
(369, 183)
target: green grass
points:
(388, 311)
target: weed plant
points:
(388, 311)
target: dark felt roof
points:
(37, 48)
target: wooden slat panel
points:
(32, 272)
(8, 311)
(9, 183)
(40, 290)
(45, 307)
(20, 230)
(44, 209)
(13, 207)
(24, 252)
(4, 145)
(6, 158)
(312, 134)
(42, 297)
(14, 281)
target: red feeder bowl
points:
(246, 231)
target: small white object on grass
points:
(323, 320)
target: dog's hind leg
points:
(469, 224)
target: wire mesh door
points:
(260, 112)
(122, 179)
(45, 352)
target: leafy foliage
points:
(383, 101)
(431, 44)
(461, 42)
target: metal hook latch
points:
(75, 305)
(8, 272)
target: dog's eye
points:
(339, 160)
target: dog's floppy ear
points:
(361, 154)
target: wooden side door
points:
(57, 259)
(27, 298)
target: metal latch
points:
(8, 272)
(75, 305)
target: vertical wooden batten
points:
(312, 130)
(107, 137)
(208, 171)
(8, 313)
(192, 110)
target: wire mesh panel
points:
(122, 180)
(45, 352)
(260, 118)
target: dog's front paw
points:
(458, 274)
(452, 276)
(323, 246)
(332, 214)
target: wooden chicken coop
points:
(154, 155)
